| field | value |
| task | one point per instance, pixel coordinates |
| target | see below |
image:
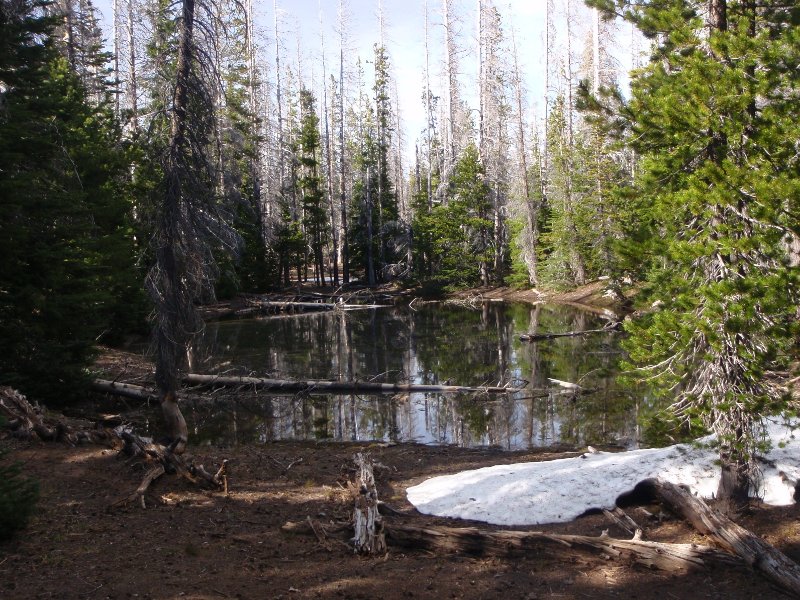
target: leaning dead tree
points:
(189, 218)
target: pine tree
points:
(710, 117)
(66, 239)
(315, 221)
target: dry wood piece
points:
(338, 386)
(621, 519)
(369, 535)
(470, 540)
(28, 421)
(169, 461)
(535, 337)
(755, 552)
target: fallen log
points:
(471, 540)
(484, 542)
(344, 387)
(751, 549)
(535, 337)
(126, 390)
(369, 536)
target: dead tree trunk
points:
(369, 535)
(337, 386)
(484, 542)
(755, 552)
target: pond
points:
(431, 343)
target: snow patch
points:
(560, 490)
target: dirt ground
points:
(193, 544)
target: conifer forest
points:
(157, 156)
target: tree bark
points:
(481, 542)
(369, 535)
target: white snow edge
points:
(560, 490)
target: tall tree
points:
(68, 254)
(189, 217)
(710, 118)
(315, 220)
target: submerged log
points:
(754, 551)
(482, 542)
(344, 387)
(535, 337)
(369, 537)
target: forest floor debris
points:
(198, 544)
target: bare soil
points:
(189, 543)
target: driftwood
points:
(753, 551)
(343, 387)
(483, 542)
(369, 536)
(535, 337)
(164, 459)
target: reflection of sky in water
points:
(432, 344)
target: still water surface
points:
(432, 343)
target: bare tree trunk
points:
(452, 84)
(329, 161)
(133, 92)
(342, 184)
(278, 101)
(530, 235)
(116, 50)
(429, 114)
(576, 260)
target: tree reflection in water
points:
(433, 344)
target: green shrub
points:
(18, 497)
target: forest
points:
(197, 155)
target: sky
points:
(404, 37)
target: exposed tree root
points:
(28, 421)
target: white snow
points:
(560, 490)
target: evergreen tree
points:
(66, 238)
(459, 233)
(315, 220)
(711, 118)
